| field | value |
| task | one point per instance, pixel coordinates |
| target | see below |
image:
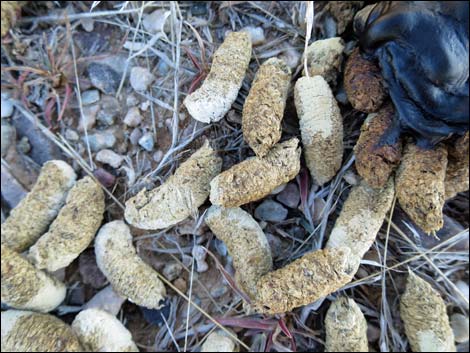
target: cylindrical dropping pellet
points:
(99, 331)
(25, 287)
(27, 331)
(73, 229)
(420, 185)
(219, 341)
(130, 277)
(375, 161)
(324, 58)
(321, 127)
(457, 173)
(180, 195)
(264, 107)
(363, 83)
(361, 217)
(220, 89)
(31, 218)
(346, 327)
(305, 280)
(246, 243)
(424, 315)
(256, 177)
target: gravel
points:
(100, 140)
(104, 78)
(109, 157)
(141, 78)
(91, 96)
(133, 117)
(147, 142)
(110, 109)
(271, 211)
(290, 196)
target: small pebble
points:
(135, 136)
(106, 299)
(278, 189)
(8, 133)
(172, 270)
(104, 177)
(91, 96)
(460, 327)
(23, 145)
(100, 140)
(71, 135)
(271, 211)
(181, 284)
(87, 24)
(463, 288)
(199, 254)
(218, 291)
(147, 142)
(351, 178)
(144, 106)
(141, 78)
(318, 206)
(256, 34)
(109, 157)
(132, 100)
(110, 109)
(133, 117)
(155, 21)
(290, 196)
(88, 119)
(104, 78)
(6, 106)
(157, 156)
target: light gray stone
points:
(109, 157)
(271, 211)
(141, 78)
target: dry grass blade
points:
(309, 18)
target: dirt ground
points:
(68, 107)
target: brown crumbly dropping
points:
(25, 287)
(179, 197)
(324, 58)
(343, 12)
(264, 107)
(420, 185)
(321, 127)
(424, 315)
(26, 331)
(375, 162)
(457, 174)
(346, 327)
(256, 177)
(220, 89)
(246, 243)
(363, 83)
(31, 218)
(305, 280)
(9, 11)
(73, 229)
(130, 277)
(361, 217)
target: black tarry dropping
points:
(422, 49)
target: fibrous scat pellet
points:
(25, 287)
(424, 315)
(375, 159)
(420, 185)
(305, 280)
(31, 218)
(179, 196)
(220, 89)
(264, 107)
(361, 217)
(346, 327)
(130, 277)
(321, 127)
(246, 243)
(457, 173)
(73, 229)
(256, 177)
(27, 331)
(219, 341)
(99, 331)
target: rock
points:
(135, 136)
(271, 211)
(132, 100)
(317, 208)
(144, 106)
(155, 21)
(8, 136)
(23, 145)
(110, 109)
(106, 299)
(7, 106)
(100, 140)
(147, 142)
(133, 117)
(89, 270)
(71, 135)
(256, 34)
(463, 287)
(141, 78)
(172, 270)
(290, 196)
(87, 24)
(91, 96)
(199, 254)
(459, 325)
(104, 177)
(109, 157)
(157, 156)
(104, 77)
(181, 284)
(88, 119)
(278, 189)
(12, 191)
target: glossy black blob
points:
(422, 49)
